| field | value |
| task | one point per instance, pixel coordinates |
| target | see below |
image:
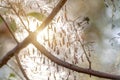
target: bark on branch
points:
(74, 67)
(16, 55)
(32, 39)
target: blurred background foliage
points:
(92, 23)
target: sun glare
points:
(53, 37)
(36, 65)
(45, 33)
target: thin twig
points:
(51, 16)
(5, 7)
(21, 68)
(83, 48)
(16, 55)
(85, 53)
(18, 16)
(14, 51)
(14, 71)
(73, 67)
(8, 28)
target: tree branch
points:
(15, 71)
(8, 28)
(71, 66)
(14, 51)
(51, 16)
(16, 55)
(28, 40)
(21, 67)
(32, 38)
(18, 16)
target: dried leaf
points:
(11, 75)
(1, 20)
(13, 26)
